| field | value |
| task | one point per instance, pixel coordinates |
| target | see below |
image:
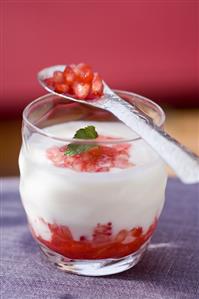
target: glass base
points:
(98, 267)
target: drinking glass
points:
(87, 217)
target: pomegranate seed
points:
(82, 238)
(137, 231)
(69, 75)
(121, 235)
(84, 73)
(101, 233)
(77, 166)
(121, 163)
(81, 90)
(63, 148)
(61, 87)
(96, 86)
(49, 82)
(58, 77)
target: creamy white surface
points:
(128, 198)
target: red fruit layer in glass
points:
(101, 245)
(78, 80)
(99, 159)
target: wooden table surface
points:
(182, 124)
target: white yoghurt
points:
(126, 197)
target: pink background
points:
(149, 47)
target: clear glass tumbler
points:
(92, 213)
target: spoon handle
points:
(181, 160)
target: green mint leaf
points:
(76, 149)
(84, 133)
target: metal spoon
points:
(181, 160)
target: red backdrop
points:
(149, 47)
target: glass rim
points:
(158, 109)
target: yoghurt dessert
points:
(100, 203)
(91, 188)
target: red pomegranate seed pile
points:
(78, 80)
(102, 243)
(99, 159)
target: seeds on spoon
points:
(78, 80)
